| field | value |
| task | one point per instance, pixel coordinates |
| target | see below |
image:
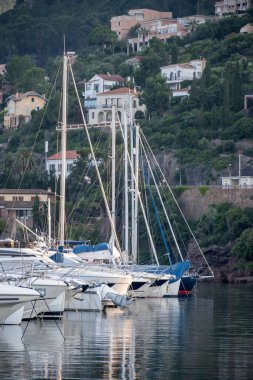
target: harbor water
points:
(206, 336)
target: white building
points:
(121, 98)
(99, 83)
(244, 182)
(158, 29)
(20, 106)
(176, 74)
(53, 163)
(232, 6)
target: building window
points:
(171, 76)
(134, 104)
(23, 213)
(21, 198)
(59, 167)
(69, 167)
(96, 87)
(32, 100)
(1, 198)
(93, 115)
(15, 199)
(52, 167)
(88, 87)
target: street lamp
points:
(229, 169)
(180, 176)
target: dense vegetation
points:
(202, 132)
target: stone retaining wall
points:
(195, 204)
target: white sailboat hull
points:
(90, 300)
(172, 289)
(15, 318)
(51, 304)
(12, 298)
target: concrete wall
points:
(194, 204)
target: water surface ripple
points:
(206, 336)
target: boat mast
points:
(49, 221)
(113, 206)
(63, 149)
(126, 185)
(132, 153)
(136, 195)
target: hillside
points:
(197, 139)
(38, 26)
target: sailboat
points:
(118, 280)
(191, 275)
(12, 298)
(146, 283)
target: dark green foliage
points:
(2, 225)
(222, 224)
(156, 95)
(37, 214)
(243, 248)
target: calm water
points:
(207, 336)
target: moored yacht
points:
(13, 297)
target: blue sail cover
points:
(57, 257)
(91, 248)
(176, 270)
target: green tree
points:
(243, 247)
(16, 68)
(37, 217)
(156, 95)
(33, 80)
(102, 35)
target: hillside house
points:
(20, 106)
(176, 74)
(231, 182)
(53, 163)
(121, 25)
(120, 98)
(160, 29)
(247, 29)
(18, 204)
(232, 6)
(99, 83)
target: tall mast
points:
(132, 152)
(126, 185)
(63, 149)
(113, 206)
(49, 221)
(136, 195)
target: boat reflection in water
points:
(10, 339)
(208, 336)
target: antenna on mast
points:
(64, 44)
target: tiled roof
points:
(186, 65)
(182, 90)
(23, 191)
(20, 96)
(112, 78)
(120, 91)
(70, 155)
(17, 205)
